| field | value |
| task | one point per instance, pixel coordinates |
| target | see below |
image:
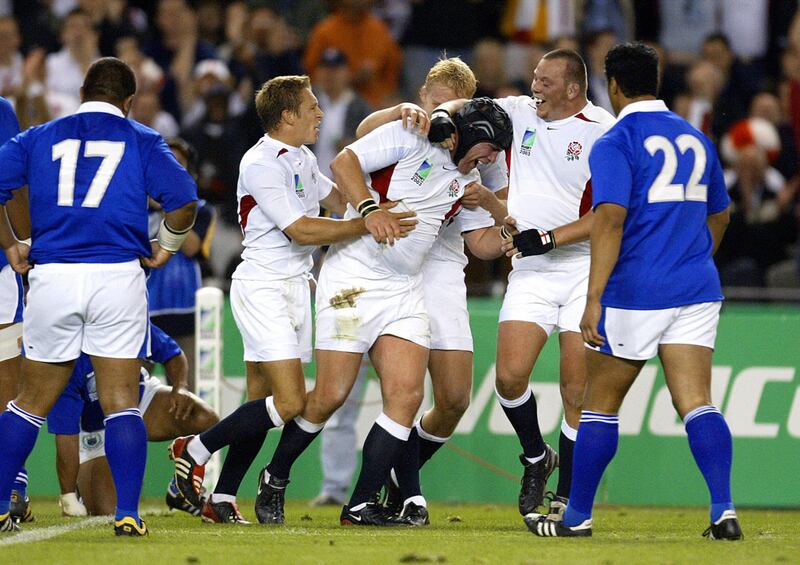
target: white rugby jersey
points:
(404, 167)
(278, 184)
(449, 246)
(550, 182)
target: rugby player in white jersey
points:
(450, 361)
(549, 199)
(370, 297)
(280, 190)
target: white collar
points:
(643, 106)
(281, 145)
(97, 106)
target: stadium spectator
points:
(615, 16)
(374, 57)
(684, 25)
(177, 50)
(344, 109)
(489, 66)
(279, 201)
(72, 258)
(77, 422)
(705, 82)
(11, 59)
(767, 106)
(147, 111)
(219, 144)
(653, 289)
(597, 45)
(66, 68)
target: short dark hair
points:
(721, 37)
(109, 80)
(576, 68)
(279, 94)
(635, 68)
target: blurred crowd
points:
(731, 67)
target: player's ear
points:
(573, 90)
(127, 105)
(288, 117)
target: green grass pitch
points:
(469, 533)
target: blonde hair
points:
(279, 94)
(455, 74)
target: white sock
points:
(198, 451)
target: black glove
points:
(442, 126)
(534, 242)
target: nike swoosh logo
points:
(551, 129)
(355, 517)
(448, 168)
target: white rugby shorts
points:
(10, 296)
(97, 308)
(446, 302)
(274, 318)
(352, 313)
(636, 334)
(554, 300)
(93, 444)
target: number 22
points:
(67, 151)
(663, 189)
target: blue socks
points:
(18, 432)
(126, 451)
(710, 442)
(596, 445)
(21, 482)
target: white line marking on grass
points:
(42, 534)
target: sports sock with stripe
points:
(296, 437)
(566, 447)
(711, 445)
(382, 449)
(524, 418)
(21, 482)
(126, 452)
(429, 444)
(595, 447)
(18, 432)
(251, 421)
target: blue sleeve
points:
(9, 126)
(14, 169)
(64, 417)
(612, 180)
(718, 199)
(166, 181)
(205, 213)
(162, 347)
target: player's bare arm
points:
(175, 227)
(717, 224)
(383, 226)
(16, 252)
(322, 231)
(485, 243)
(181, 403)
(477, 195)
(19, 214)
(412, 116)
(606, 238)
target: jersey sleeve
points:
(324, 184)
(612, 180)
(473, 219)
(9, 126)
(494, 176)
(162, 347)
(166, 180)
(272, 190)
(718, 199)
(14, 171)
(385, 146)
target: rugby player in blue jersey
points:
(89, 176)
(661, 209)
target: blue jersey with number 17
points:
(89, 176)
(668, 176)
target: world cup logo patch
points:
(422, 173)
(528, 139)
(299, 189)
(574, 151)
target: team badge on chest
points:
(453, 189)
(574, 151)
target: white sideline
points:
(41, 534)
(30, 536)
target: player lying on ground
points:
(77, 421)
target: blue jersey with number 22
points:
(668, 176)
(89, 176)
